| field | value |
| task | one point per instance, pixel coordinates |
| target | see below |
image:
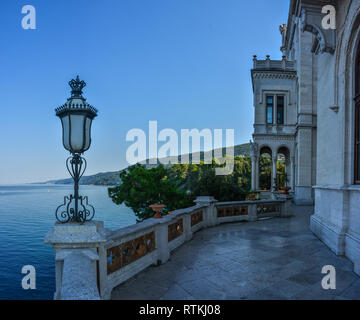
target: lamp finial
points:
(76, 87)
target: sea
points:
(27, 213)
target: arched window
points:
(357, 119)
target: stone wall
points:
(336, 217)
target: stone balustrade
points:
(269, 64)
(108, 258)
(287, 129)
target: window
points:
(269, 109)
(280, 110)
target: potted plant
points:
(252, 195)
(157, 208)
(286, 189)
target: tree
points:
(265, 172)
(143, 187)
(178, 185)
(203, 181)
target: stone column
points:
(287, 170)
(292, 174)
(306, 120)
(274, 171)
(303, 194)
(254, 170)
(254, 166)
(257, 182)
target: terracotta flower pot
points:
(157, 208)
(285, 190)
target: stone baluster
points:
(267, 62)
(255, 61)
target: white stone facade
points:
(274, 79)
(323, 95)
(293, 79)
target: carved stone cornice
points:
(273, 75)
(274, 137)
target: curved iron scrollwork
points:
(75, 208)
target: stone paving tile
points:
(266, 294)
(345, 279)
(315, 292)
(244, 289)
(286, 288)
(143, 291)
(352, 292)
(176, 293)
(229, 266)
(208, 271)
(308, 277)
(202, 289)
(271, 259)
(223, 282)
(188, 275)
(281, 260)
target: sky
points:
(183, 63)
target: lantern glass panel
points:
(77, 132)
(66, 130)
(87, 133)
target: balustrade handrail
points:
(150, 223)
(249, 202)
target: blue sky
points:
(184, 63)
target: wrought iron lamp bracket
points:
(75, 208)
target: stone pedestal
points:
(76, 249)
(210, 213)
(286, 210)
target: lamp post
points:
(76, 118)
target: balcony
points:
(204, 252)
(274, 65)
(264, 260)
(274, 129)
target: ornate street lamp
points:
(76, 117)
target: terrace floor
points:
(264, 260)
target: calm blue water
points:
(26, 215)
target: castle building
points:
(307, 108)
